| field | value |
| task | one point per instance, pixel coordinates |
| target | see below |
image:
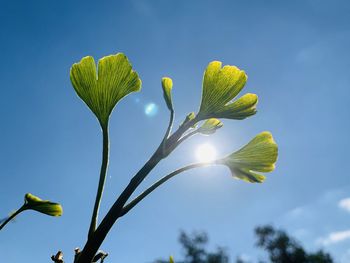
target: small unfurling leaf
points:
(167, 85)
(189, 118)
(210, 126)
(32, 202)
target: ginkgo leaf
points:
(32, 202)
(240, 109)
(102, 90)
(247, 176)
(259, 155)
(220, 86)
(167, 85)
(210, 126)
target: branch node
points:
(58, 258)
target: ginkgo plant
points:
(32, 202)
(103, 85)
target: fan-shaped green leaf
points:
(220, 86)
(259, 155)
(101, 91)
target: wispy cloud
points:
(312, 209)
(334, 237)
(344, 204)
(245, 257)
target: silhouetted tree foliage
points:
(280, 247)
(284, 249)
(194, 247)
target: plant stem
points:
(12, 216)
(94, 242)
(139, 198)
(186, 136)
(168, 131)
(171, 121)
(103, 173)
(177, 137)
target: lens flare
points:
(151, 109)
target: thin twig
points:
(103, 173)
(149, 190)
(12, 216)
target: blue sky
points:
(296, 54)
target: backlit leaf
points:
(259, 155)
(33, 202)
(220, 86)
(167, 85)
(210, 126)
(102, 90)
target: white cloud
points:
(344, 204)
(246, 257)
(334, 237)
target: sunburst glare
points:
(205, 152)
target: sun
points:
(206, 152)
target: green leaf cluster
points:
(103, 87)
